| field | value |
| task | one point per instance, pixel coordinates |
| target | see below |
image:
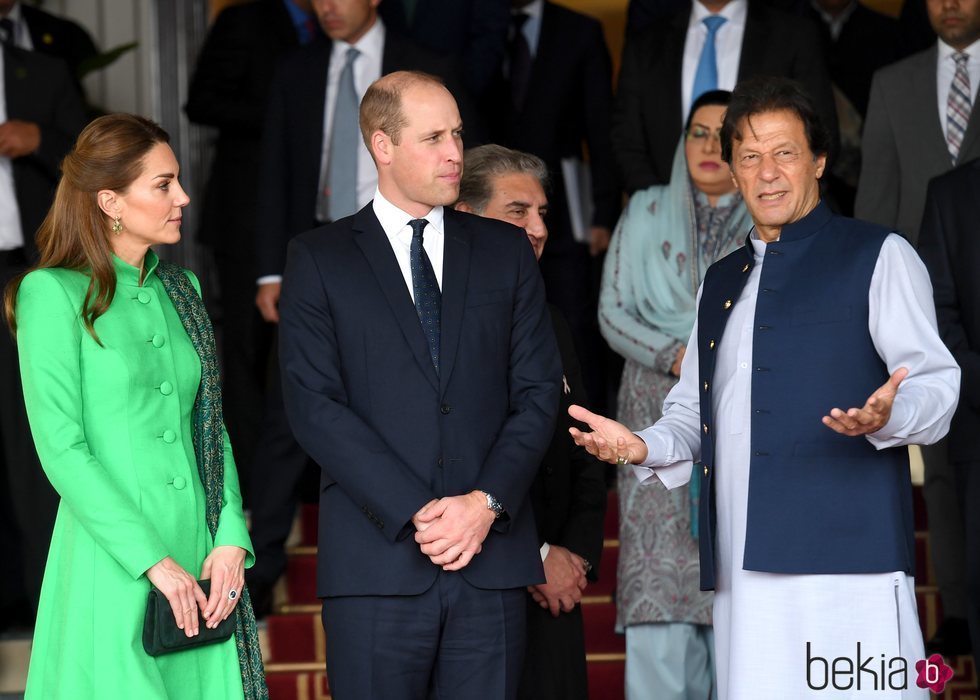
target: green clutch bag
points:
(161, 634)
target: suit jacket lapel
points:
(15, 84)
(455, 274)
(313, 104)
(374, 244)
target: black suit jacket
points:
(59, 37)
(389, 433)
(568, 495)
(290, 172)
(950, 248)
(566, 113)
(647, 121)
(868, 41)
(230, 90)
(39, 89)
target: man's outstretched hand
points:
(609, 441)
(875, 413)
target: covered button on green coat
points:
(112, 426)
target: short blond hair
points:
(381, 106)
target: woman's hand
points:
(225, 566)
(181, 591)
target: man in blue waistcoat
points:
(814, 361)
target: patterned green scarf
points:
(209, 449)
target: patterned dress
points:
(658, 572)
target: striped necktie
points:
(958, 106)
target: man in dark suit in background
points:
(230, 90)
(296, 194)
(474, 32)
(41, 113)
(950, 248)
(666, 65)
(568, 495)
(421, 373)
(36, 30)
(553, 98)
(921, 123)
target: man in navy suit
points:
(421, 372)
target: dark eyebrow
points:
(703, 126)
(518, 203)
(169, 176)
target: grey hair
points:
(481, 165)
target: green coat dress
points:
(112, 426)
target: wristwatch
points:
(494, 505)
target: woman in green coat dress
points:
(118, 367)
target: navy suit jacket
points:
(390, 434)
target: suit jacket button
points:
(711, 345)
(705, 426)
(728, 304)
(439, 462)
(445, 409)
(158, 341)
(169, 437)
(143, 297)
(166, 388)
(179, 483)
(706, 470)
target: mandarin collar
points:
(130, 275)
(818, 217)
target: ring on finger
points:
(232, 594)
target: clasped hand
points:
(564, 573)
(451, 530)
(225, 566)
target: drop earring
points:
(117, 225)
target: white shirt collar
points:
(735, 12)
(371, 44)
(532, 9)
(945, 50)
(393, 220)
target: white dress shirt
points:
(394, 221)
(11, 234)
(728, 48)
(946, 69)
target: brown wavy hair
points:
(75, 233)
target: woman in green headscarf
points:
(118, 367)
(664, 242)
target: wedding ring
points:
(232, 594)
(620, 460)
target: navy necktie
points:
(520, 61)
(428, 298)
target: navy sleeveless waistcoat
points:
(818, 502)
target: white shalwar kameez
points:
(764, 621)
